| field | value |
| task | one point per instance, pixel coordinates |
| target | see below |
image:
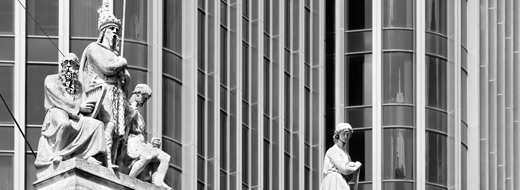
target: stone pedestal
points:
(79, 174)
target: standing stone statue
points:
(337, 161)
(101, 65)
(65, 132)
(144, 160)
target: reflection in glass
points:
(436, 16)
(42, 49)
(358, 41)
(6, 49)
(436, 158)
(398, 115)
(398, 78)
(45, 12)
(136, 54)
(398, 185)
(135, 21)
(398, 39)
(436, 83)
(359, 117)
(358, 14)
(7, 18)
(436, 120)
(7, 91)
(6, 174)
(84, 18)
(358, 80)
(398, 13)
(36, 74)
(360, 149)
(398, 154)
(436, 44)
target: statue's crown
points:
(106, 18)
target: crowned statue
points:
(88, 115)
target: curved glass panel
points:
(436, 158)
(84, 18)
(358, 14)
(7, 90)
(173, 149)
(6, 49)
(436, 120)
(398, 13)
(436, 16)
(398, 39)
(359, 117)
(360, 149)
(7, 17)
(172, 109)
(398, 115)
(464, 58)
(464, 23)
(173, 178)
(436, 83)
(42, 49)
(172, 64)
(398, 185)
(398, 78)
(358, 80)
(45, 12)
(136, 19)
(358, 41)
(35, 109)
(398, 154)
(172, 22)
(136, 54)
(436, 44)
(464, 95)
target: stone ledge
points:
(79, 174)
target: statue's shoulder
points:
(51, 79)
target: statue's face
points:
(141, 98)
(111, 35)
(345, 135)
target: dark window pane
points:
(464, 22)
(364, 186)
(436, 83)
(358, 14)
(6, 176)
(436, 120)
(77, 46)
(46, 14)
(201, 32)
(172, 109)
(398, 39)
(7, 48)
(433, 187)
(464, 166)
(358, 80)
(436, 158)
(7, 91)
(136, 54)
(7, 17)
(172, 36)
(42, 49)
(84, 18)
(136, 19)
(359, 117)
(172, 64)
(33, 136)
(464, 58)
(398, 154)
(174, 150)
(436, 44)
(464, 96)
(30, 171)
(398, 78)
(358, 41)
(398, 115)
(398, 13)
(464, 132)
(398, 185)
(436, 16)
(35, 88)
(173, 178)
(360, 149)
(7, 136)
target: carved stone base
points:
(79, 174)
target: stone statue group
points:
(89, 116)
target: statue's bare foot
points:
(92, 160)
(57, 159)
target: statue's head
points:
(68, 74)
(108, 27)
(142, 93)
(343, 132)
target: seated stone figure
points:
(65, 132)
(144, 160)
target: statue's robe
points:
(64, 132)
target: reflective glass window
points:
(398, 185)
(436, 16)
(464, 96)
(358, 80)
(42, 49)
(398, 154)
(172, 64)
(136, 19)
(33, 136)
(398, 115)
(359, 117)
(436, 44)
(45, 12)
(136, 54)
(398, 39)
(358, 14)
(436, 120)
(36, 75)
(84, 18)
(172, 34)
(173, 178)
(436, 83)
(172, 109)
(6, 134)
(7, 17)
(358, 41)
(77, 46)
(7, 48)
(398, 78)
(7, 91)
(30, 172)
(174, 149)
(360, 149)
(7, 171)
(436, 158)
(464, 22)
(398, 13)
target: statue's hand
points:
(87, 107)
